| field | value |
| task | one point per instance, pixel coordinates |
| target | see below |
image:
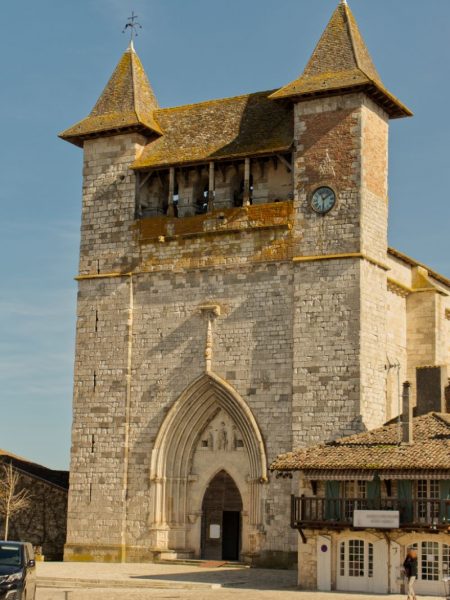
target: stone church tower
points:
(233, 303)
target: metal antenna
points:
(133, 26)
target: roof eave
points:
(393, 107)
(137, 166)
(78, 139)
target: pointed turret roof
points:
(126, 104)
(341, 63)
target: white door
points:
(396, 569)
(380, 567)
(356, 568)
(323, 563)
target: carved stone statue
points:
(223, 438)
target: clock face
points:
(323, 200)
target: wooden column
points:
(246, 199)
(171, 208)
(211, 186)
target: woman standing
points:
(410, 566)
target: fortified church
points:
(237, 299)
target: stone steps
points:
(192, 562)
(86, 583)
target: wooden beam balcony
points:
(337, 513)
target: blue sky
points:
(56, 56)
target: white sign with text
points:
(376, 519)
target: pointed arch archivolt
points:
(179, 437)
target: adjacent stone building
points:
(237, 298)
(44, 522)
(363, 501)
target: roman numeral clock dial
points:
(323, 200)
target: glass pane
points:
(10, 555)
(429, 561)
(370, 564)
(342, 559)
(445, 559)
(356, 558)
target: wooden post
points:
(211, 186)
(246, 199)
(171, 208)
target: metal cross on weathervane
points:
(132, 25)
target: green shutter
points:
(374, 493)
(405, 488)
(445, 500)
(332, 504)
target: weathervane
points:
(133, 26)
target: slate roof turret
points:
(126, 104)
(341, 63)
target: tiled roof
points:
(59, 478)
(227, 128)
(127, 102)
(341, 62)
(378, 449)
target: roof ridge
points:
(130, 50)
(346, 8)
(215, 100)
(439, 417)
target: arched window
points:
(356, 558)
(433, 560)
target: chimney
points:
(431, 383)
(407, 416)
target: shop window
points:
(433, 560)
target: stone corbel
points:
(211, 310)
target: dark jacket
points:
(410, 566)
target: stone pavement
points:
(101, 581)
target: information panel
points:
(376, 519)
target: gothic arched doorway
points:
(221, 519)
(209, 428)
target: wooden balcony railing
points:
(325, 512)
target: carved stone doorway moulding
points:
(173, 516)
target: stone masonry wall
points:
(44, 522)
(99, 407)
(108, 210)
(326, 392)
(341, 303)
(252, 350)
(373, 336)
